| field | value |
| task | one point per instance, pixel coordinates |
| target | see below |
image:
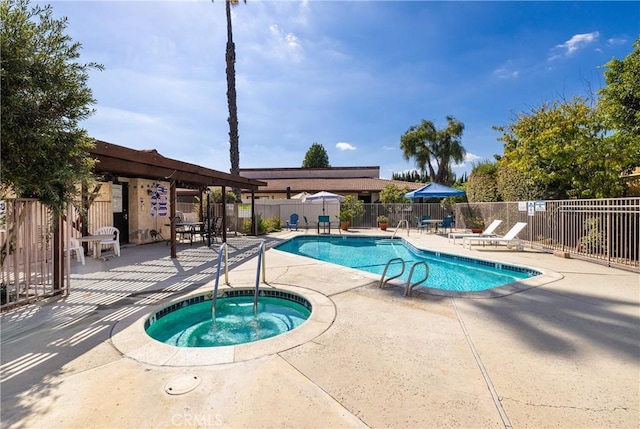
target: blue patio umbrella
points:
(434, 190)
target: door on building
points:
(120, 203)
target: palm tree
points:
(234, 144)
(424, 143)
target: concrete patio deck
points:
(564, 354)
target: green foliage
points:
(216, 196)
(393, 194)
(514, 186)
(620, 103)
(426, 144)
(316, 157)
(482, 184)
(383, 219)
(595, 238)
(44, 97)
(351, 207)
(407, 176)
(563, 148)
(262, 225)
(272, 224)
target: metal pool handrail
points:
(214, 298)
(261, 264)
(410, 286)
(384, 273)
(398, 226)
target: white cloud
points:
(345, 146)
(505, 73)
(571, 46)
(285, 45)
(469, 158)
(616, 41)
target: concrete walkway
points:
(564, 354)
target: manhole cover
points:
(182, 384)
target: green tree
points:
(426, 145)
(232, 103)
(316, 157)
(44, 97)
(620, 103)
(393, 194)
(563, 148)
(482, 184)
(216, 196)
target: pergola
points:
(120, 161)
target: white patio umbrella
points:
(323, 196)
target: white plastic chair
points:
(113, 242)
(75, 246)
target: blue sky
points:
(350, 75)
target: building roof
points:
(300, 172)
(149, 164)
(348, 184)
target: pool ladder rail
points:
(222, 253)
(402, 221)
(222, 257)
(409, 286)
(262, 263)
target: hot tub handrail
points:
(221, 253)
(262, 262)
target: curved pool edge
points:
(545, 277)
(131, 340)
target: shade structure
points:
(434, 190)
(323, 196)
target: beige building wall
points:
(141, 219)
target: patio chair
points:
(293, 221)
(76, 246)
(215, 230)
(447, 222)
(510, 238)
(488, 232)
(421, 222)
(113, 242)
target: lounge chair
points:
(510, 238)
(488, 232)
(293, 221)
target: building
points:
(282, 183)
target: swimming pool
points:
(371, 254)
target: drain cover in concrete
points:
(182, 384)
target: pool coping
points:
(129, 337)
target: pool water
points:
(371, 254)
(192, 326)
